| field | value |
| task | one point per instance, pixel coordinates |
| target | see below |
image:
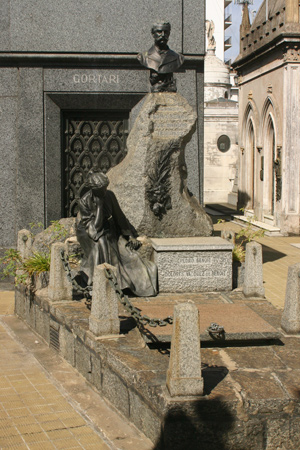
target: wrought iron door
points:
(91, 140)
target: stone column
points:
(60, 288)
(24, 243)
(104, 318)
(290, 321)
(184, 373)
(253, 278)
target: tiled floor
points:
(33, 412)
(278, 255)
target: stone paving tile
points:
(7, 299)
(278, 255)
(33, 412)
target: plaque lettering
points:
(96, 78)
(193, 272)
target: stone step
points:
(233, 198)
(270, 230)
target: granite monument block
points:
(195, 264)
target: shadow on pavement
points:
(199, 425)
(270, 254)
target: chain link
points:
(135, 312)
(123, 299)
(216, 330)
(87, 291)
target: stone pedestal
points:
(194, 264)
(104, 318)
(184, 373)
(253, 277)
(290, 321)
(24, 243)
(151, 182)
(60, 288)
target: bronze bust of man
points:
(161, 60)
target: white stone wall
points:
(219, 167)
(213, 92)
(272, 91)
(290, 207)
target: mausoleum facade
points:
(269, 108)
(220, 132)
(70, 90)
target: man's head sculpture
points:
(161, 33)
(161, 60)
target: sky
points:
(234, 29)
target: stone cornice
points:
(89, 60)
(287, 42)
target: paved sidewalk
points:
(33, 412)
(45, 403)
(278, 255)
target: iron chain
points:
(216, 330)
(135, 312)
(123, 299)
(87, 291)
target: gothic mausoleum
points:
(269, 109)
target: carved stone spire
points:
(291, 11)
(245, 25)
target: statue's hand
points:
(133, 244)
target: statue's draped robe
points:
(108, 244)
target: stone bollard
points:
(60, 288)
(104, 318)
(229, 235)
(184, 373)
(24, 243)
(290, 321)
(253, 277)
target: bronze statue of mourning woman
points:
(106, 236)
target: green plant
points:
(15, 266)
(20, 269)
(11, 262)
(246, 234)
(58, 229)
(36, 228)
(238, 253)
(37, 263)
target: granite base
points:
(193, 264)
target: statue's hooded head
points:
(161, 32)
(97, 179)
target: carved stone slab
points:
(199, 264)
(150, 183)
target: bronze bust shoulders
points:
(161, 60)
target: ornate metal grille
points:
(90, 141)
